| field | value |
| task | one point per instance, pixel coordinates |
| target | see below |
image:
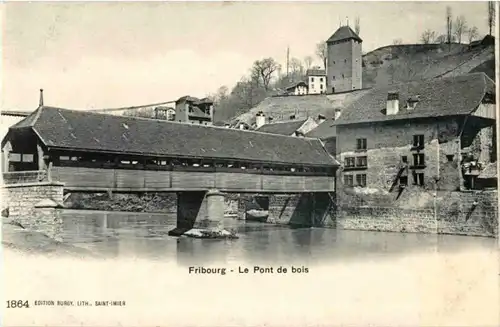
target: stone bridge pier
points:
(199, 210)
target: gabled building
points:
(316, 79)
(299, 88)
(435, 135)
(192, 110)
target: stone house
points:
(316, 79)
(192, 110)
(435, 135)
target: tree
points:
(449, 25)
(397, 41)
(491, 15)
(357, 27)
(460, 27)
(264, 70)
(441, 39)
(472, 33)
(428, 37)
(296, 66)
(321, 52)
(308, 60)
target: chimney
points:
(260, 119)
(337, 113)
(321, 119)
(392, 107)
(41, 98)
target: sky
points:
(115, 54)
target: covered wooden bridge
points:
(93, 152)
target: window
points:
(312, 79)
(21, 157)
(321, 79)
(345, 60)
(403, 180)
(449, 157)
(321, 86)
(312, 86)
(404, 159)
(361, 144)
(418, 141)
(361, 180)
(334, 62)
(348, 180)
(418, 179)
(333, 78)
(361, 161)
(342, 75)
(349, 162)
(418, 159)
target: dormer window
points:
(411, 103)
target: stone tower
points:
(344, 61)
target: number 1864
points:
(17, 304)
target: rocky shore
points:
(16, 237)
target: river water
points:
(334, 277)
(145, 236)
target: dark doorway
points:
(333, 90)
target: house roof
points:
(324, 130)
(17, 113)
(187, 98)
(316, 72)
(447, 96)
(296, 84)
(344, 33)
(87, 131)
(282, 128)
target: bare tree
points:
(449, 27)
(264, 69)
(428, 37)
(472, 33)
(308, 60)
(357, 27)
(296, 65)
(441, 39)
(397, 41)
(491, 15)
(321, 52)
(460, 27)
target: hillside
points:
(384, 66)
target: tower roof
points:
(344, 33)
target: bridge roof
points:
(95, 132)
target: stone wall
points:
(306, 209)
(35, 206)
(463, 213)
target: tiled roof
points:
(296, 84)
(284, 128)
(344, 33)
(86, 131)
(187, 98)
(324, 130)
(447, 96)
(316, 72)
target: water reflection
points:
(145, 236)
